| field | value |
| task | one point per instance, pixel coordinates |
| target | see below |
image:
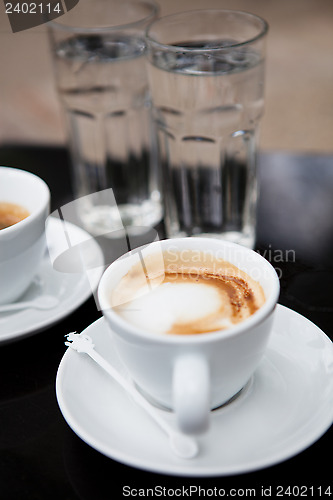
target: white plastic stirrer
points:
(181, 445)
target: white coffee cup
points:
(192, 374)
(23, 244)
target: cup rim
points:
(18, 226)
(256, 318)
(177, 48)
(57, 25)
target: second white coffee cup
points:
(193, 373)
(23, 244)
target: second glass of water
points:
(206, 73)
(99, 56)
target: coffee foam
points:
(11, 213)
(186, 296)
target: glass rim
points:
(154, 10)
(177, 48)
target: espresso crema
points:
(11, 213)
(186, 294)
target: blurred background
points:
(299, 76)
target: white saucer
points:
(72, 289)
(284, 409)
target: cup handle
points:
(191, 393)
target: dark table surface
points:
(42, 458)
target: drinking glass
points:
(99, 57)
(206, 75)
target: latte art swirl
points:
(182, 299)
(236, 301)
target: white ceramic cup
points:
(192, 374)
(22, 245)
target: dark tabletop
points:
(42, 458)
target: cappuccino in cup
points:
(24, 207)
(188, 292)
(190, 319)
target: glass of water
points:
(206, 75)
(99, 57)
